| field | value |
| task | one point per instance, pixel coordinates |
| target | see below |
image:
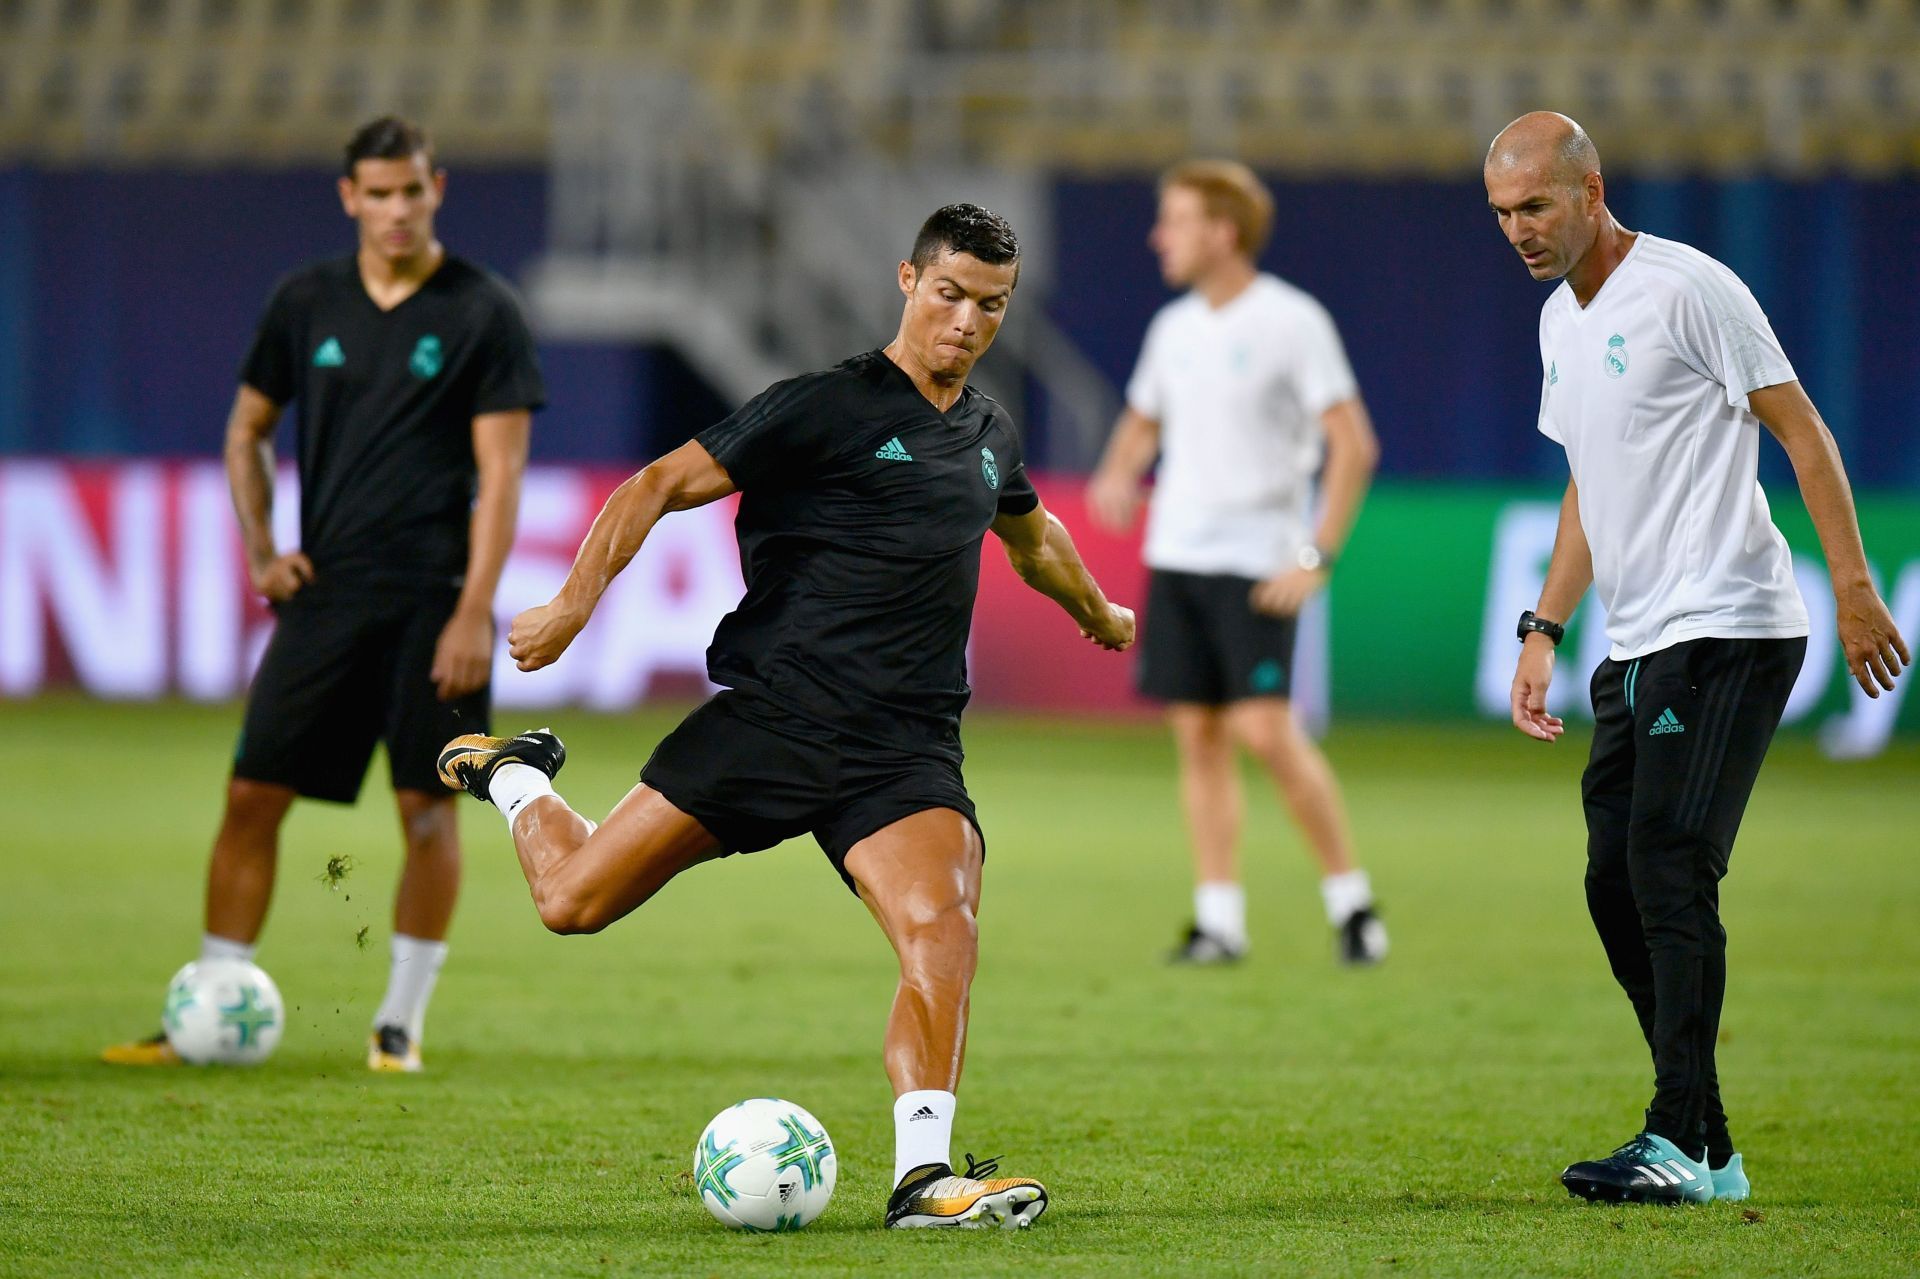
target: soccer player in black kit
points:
(416, 379)
(865, 493)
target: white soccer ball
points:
(765, 1164)
(223, 1012)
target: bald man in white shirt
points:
(1241, 392)
(1658, 372)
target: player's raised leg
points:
(1268, 729)
(582, 877)
(422, 911)
(920, 877)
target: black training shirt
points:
(861, 513)
(386, 403)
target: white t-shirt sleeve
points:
(1545, 421)
(1146, 391)
(1322, 376)
(1721, 329)
(1547, 428)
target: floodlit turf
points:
(1285, 1117)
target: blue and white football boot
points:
(1730, 1180)
(1648, 1169)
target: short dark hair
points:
(388, 138)
(968, 229)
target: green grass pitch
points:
(1284, 1117)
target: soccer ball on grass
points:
(223, 1012)
(765, 1164)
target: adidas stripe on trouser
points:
(1662, 810)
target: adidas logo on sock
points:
(925, 1112)
(892, 451)
(1667, 723)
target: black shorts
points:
(349, 666)
(1202, 641)
(755, 775)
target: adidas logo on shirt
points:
(1667, 723)
(892, 451)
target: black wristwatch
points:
(1554, 631)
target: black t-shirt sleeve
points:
(509, 367)
(1016, 490)
(271, 361)
(778, 437)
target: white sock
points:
(922, 1130)
(416, 966)
(1220, 911)
(216, 947)
(514, 785)
(1344, 894)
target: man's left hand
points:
(1876, 652)
(463, 657)
(1285, 594)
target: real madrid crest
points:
(427, 357)
(1616, 359)
(989, 468)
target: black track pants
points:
(1678, 739)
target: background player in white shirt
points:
(1658, 371)
(1242, 385)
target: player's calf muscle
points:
(572, 905)
(570, 916)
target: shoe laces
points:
(1640, 1148)
(980, 1169)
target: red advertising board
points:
(127, 580)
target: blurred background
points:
(697, 197)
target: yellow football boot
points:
(466, 763)
(390, 1048)
(933, 1195)
(142, 1052)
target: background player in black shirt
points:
(865, 493)
(416, 379)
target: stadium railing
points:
(1309, 85)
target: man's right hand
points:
(1113, 629)
(281, 577)
(1113, 499)
(539, 635)
(1530, 682)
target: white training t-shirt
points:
(1646, 387)
(1238, 393)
